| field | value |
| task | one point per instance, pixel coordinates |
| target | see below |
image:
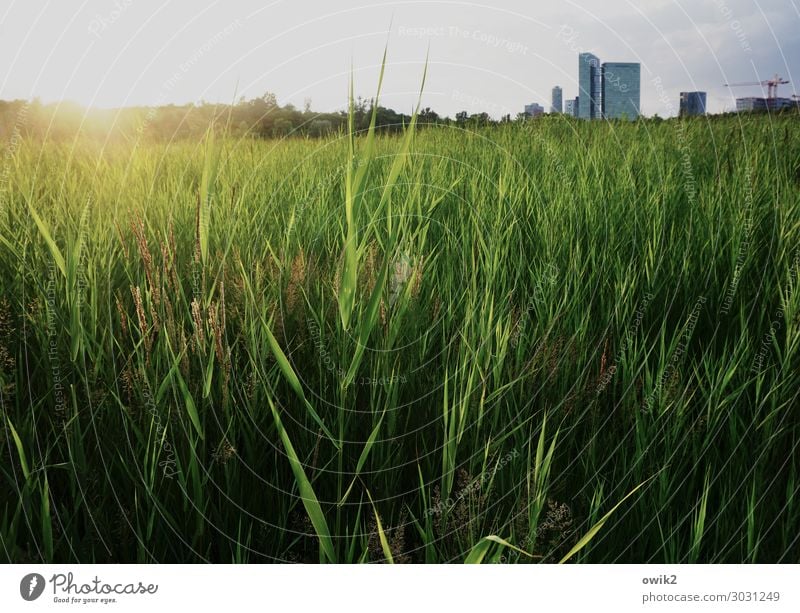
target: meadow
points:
(536, 342)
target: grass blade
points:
(586, 538)
(307, 494)
(58, 258)
(23, 460)
(387, 551)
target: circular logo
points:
(31, 586)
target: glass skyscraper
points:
(556, 106)
(621, 90)
(692, 103)
(588, 86)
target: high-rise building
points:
(621, 90)
(556, 106)
(534, 110)
(571, 107)
(692, 103)
(588, 86)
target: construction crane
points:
(771, 84)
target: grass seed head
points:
(199, 332)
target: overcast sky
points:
(483, 57)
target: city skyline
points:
(480, 58)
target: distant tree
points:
(320, 127)
(259, 117)
(269, 99)
(479, 119)
(281, 127)
(242, 129)
(428, 115)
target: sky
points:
(481, 57)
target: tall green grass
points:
(344, 349)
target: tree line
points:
(260, 117)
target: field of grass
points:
(579, 339)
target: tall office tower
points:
(569, 107)
(621, 90)
(556, 106)
(588, 86)
(692, 103)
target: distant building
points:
(621, 91)
(692, 103)
(534, 110)
(776, 104)
(571, 107)
(556, 106)
(589, 85)
(763, 104)
(751, 104)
